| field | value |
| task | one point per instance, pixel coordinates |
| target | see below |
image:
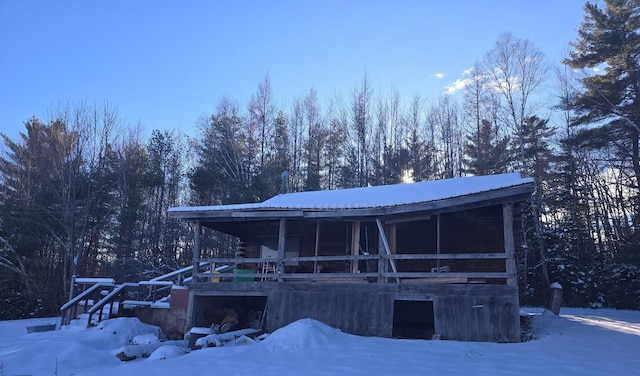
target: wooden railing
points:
(103, 291)
(84, 300)
(110, 300)
(382, 275)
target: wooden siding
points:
(461, 312)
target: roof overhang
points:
(520, 190)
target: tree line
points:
(87, 194)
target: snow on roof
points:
(377, 196)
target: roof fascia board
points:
(513, 193)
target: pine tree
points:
(485, 152)
(222, 174)
(607, 107)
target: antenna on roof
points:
(284, 176)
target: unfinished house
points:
(422, 260)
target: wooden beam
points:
(191, 310)
(509, 243)
(438, 242)
(317, 247)
(197, 245)
(398, 275)
(383, 236)
(381, 260)
(392, 237)
(406, 219)
(282, 239)
(267, 214)
(355, 244)
(382, 256)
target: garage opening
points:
(227, 313)
(413, 319)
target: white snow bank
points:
(579, 342)
(167, 352)
(302, 334)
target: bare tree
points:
(360, 131)
(297, 140)
(85, 180)
(315, 141)
(444, 119)
(262, 114)
(516, 70)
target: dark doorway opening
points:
(228, 313)
(413, 319)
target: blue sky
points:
(164, 64)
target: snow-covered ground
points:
(578, 342)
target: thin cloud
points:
(439, 75)
(457, 85)
(467, 72)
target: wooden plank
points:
(450, 277)
(317, 247)
(410, 256)
(355, 245)
(484, 319)
(472, 307)
(197, 245)
(268, 214)
(509, 243)
(448, 256)
(406, 219)
(282, 238)
(438, 240)
(313, 276)
(387, 249)
(393, 238)
(353, 279)
(437, 280)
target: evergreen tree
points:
(222, 174)
(486, 152)
(609, 39)
(535, 137)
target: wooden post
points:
(509, 244)
(71, 287)
(438, 242)
(555, 298)
(381, 263)
(70, 313)
(392, 237)
(197, 245)
(355, 245)
(383, 236)
(282, 237)
(191, 314)
(317, 248)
